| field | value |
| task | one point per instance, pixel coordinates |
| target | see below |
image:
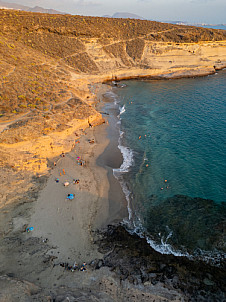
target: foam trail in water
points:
(164, 247)
(124, 168)
(122, 110)
(136, 227)
(127, 154)
(121, 133)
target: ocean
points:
(216, 26)
(173, 142)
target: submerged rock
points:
(195, 223)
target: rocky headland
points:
(52, 72)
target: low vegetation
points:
(39, 52)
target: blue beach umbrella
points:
(70, 196)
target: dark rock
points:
(132, 259)
(99, 264)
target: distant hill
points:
(124, 15)
(13, 6)
(36, 9)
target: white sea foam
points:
(127, 194)
(126, 191)
(121, 133)
(127, 154)
(122, 109)
(164, 247)
(124, 168)
(136, 227)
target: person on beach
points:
(90, 125)
(74, 267)
(83, 267)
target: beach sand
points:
(69, 225)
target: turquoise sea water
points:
(173, 140)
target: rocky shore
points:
(132, 259)
(129, 270)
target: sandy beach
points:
(68, 225)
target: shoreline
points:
(98, 201)
(110, 159)
(157, 73)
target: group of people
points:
(74, 267)
(76, 181)
(81, 162)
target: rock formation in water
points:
(194, 222)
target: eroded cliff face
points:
(156, 59)
(51, 66)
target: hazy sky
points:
(195, 11)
